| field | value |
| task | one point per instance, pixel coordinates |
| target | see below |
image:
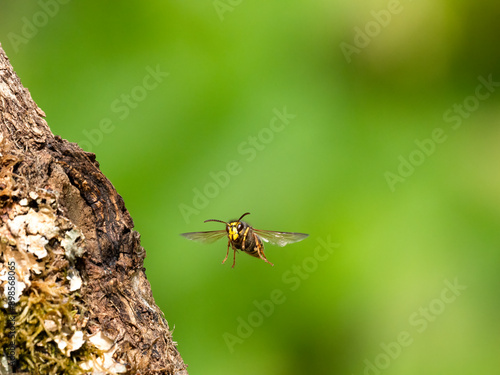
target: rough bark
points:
(63, 222)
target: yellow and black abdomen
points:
(253, 245)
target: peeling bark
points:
(43, 174)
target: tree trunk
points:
(74, 297)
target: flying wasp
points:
(241, 236)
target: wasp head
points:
(235, 229)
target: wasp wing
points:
(279, 238)
(205, 237)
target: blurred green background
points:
(392, 154)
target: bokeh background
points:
(416, 227)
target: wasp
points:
(242, 236)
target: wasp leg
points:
(244, 239)
(260, 249)
(234, 258)
(227, 254)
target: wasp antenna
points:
(242, 216)
(219, 221)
